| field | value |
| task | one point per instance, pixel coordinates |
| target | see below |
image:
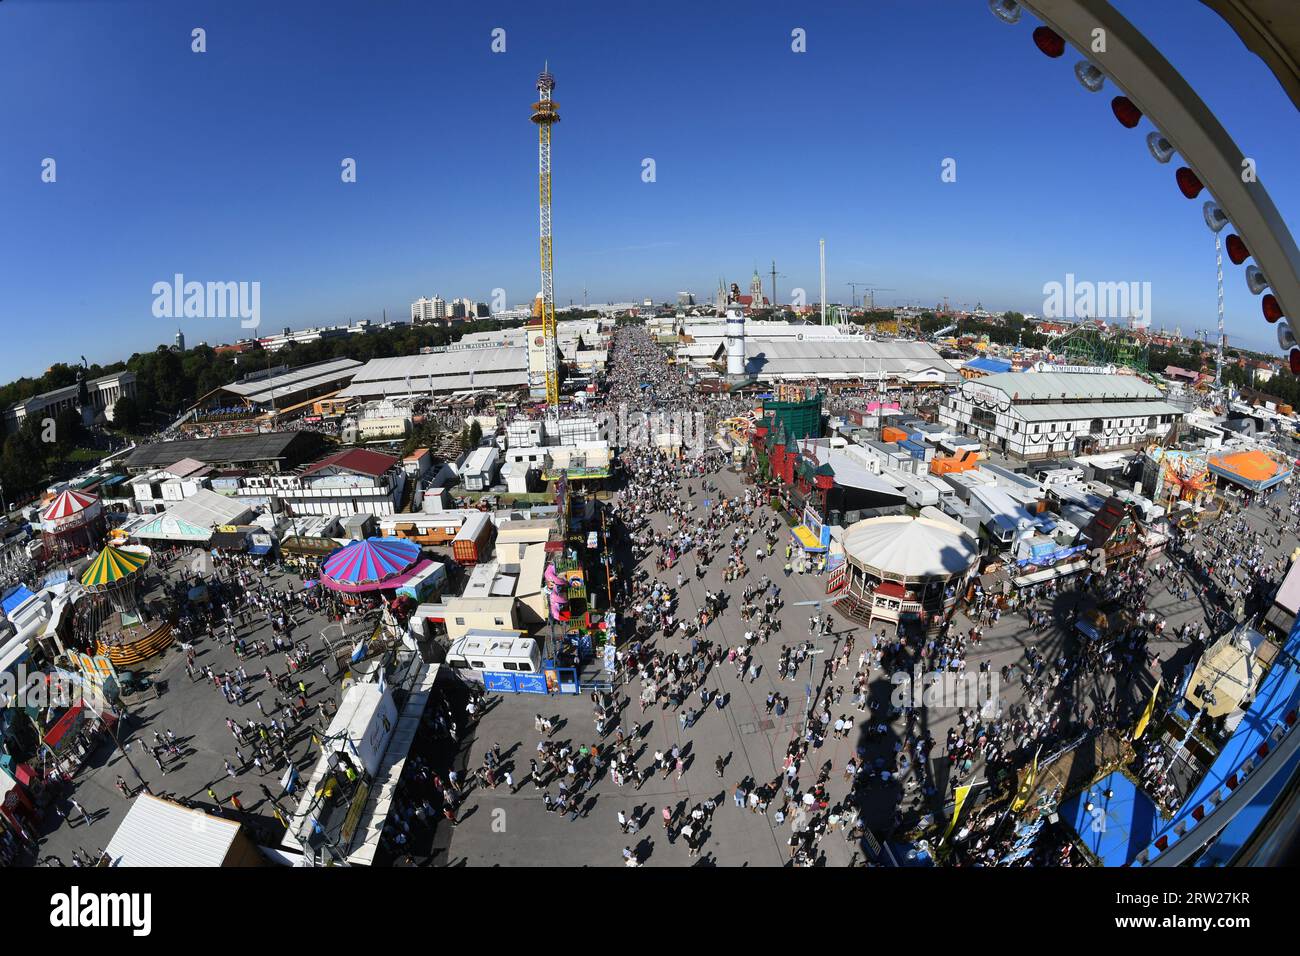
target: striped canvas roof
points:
(112, 565)
(67, 504)
(169, 527)
(373, 559)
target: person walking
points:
(72, 801)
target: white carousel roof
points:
(900, 546)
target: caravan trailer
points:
(473, 541)
(502, 661)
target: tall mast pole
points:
(545, 113)
(1218, 364)
(821, 243)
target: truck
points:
(425, 583)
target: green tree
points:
(22, 464)
(126, 413)
(69, 433)
(426, 435)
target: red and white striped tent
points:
(70, 524)
(69, 508)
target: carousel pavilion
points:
(899, 568)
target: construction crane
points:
(853, 289)
(546, 112)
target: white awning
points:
(1048, 574)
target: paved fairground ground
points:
(196, 712)
(503, 828)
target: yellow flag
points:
(1145, 719)
(961, 794)
(1026, 788)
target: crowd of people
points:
(697, 589)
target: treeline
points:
(43, 450)
(56, 376)
(1012, 330)
(1200, 358)
(1282, 385)
(168, 382)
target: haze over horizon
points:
(225, 165)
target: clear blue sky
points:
(225, 165)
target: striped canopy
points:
(111, 566)
(168, 527)
(374, 559)
(67, 504)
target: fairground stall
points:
(1256, 472)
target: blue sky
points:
(225, 165)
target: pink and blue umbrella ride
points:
(372, 564)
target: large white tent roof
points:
(160, 833)
(293, 381)
(483, 366)
(897, 546)
(848, 357)
(193, 518)
(207, 509)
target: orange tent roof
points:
(1252, 465)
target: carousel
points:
(115, 622)
(71, 524)
(375, 564)
(902, 569)
(1180, 476)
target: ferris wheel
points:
(1111, 49)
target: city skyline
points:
(225, 165)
